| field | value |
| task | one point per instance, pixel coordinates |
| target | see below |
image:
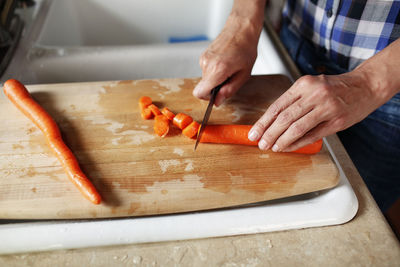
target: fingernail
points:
(254, 136)
(275, 148)
(262, 144)
(195, 91)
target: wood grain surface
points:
(136, 172)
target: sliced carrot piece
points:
(144, 102)
(147, 114)
(154, 109)
(181, 120)
(237, 134)
(191, 130)
(168, 113)
(161, 125)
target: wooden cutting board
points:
(136, 172)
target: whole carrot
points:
(21, 98)
(237, 134)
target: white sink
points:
(98, 40)
(94, 40)
(132, 22)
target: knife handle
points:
(216, 89)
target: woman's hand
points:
(232, 54)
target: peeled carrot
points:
(154, 109)
(21, 98)
(237, 134)
(147, 114)
(161, 125)
(181, 120)
(191, 130)
(168, 113)
(227, 134)
(311, 148)
(144, 102)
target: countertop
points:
(367, 240)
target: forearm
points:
(233, 53)
(382, 72)
(247, 17)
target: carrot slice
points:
(181, 120)
(168, 113)
(21, 98)
(237, 134)
(161, 125)
(144, 102)
(192, 129)
(147, 114)
(154, 109)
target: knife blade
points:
(203, 125)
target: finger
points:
(312, 136)
(234, 83)
(214, 73)
(271, 114)
(282, 123)
(297, 130)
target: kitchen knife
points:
(203, 125)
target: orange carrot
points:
(147, 114)
(21, 98)
(168, 113)
(311, 148)
(181, 120)
(227, 134)
(154, 109)
(191, 130)
(161, 125)
(237, 134)
(144, 102)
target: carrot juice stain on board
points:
(277, 173)
(17, 146)
(126, 209)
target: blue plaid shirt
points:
(348, 31)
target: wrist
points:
(382, 72)
(246, 18)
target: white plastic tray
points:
(329, 207)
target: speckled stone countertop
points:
(367, 240)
